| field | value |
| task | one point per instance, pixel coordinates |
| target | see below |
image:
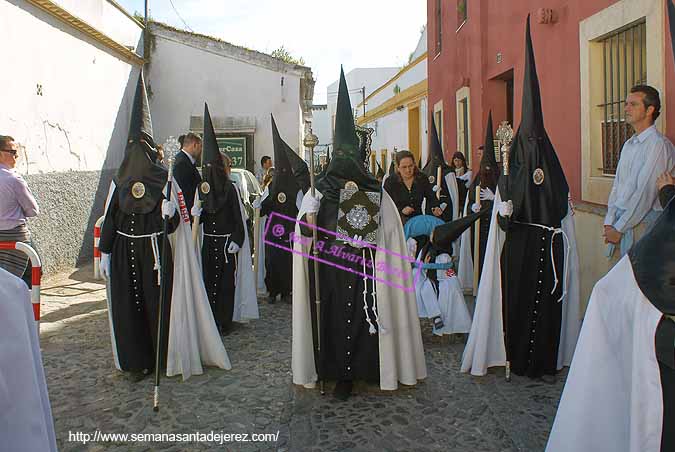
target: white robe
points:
(449, 303)
(400, 348)
(485, 345)
(26, 423)
(193, 336)
(612, 399)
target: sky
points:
(354, 33)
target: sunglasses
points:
(10, 151)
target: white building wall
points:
(83, 110)
(230, 87)
(409, 78)
(371, 78)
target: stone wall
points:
(70, 203)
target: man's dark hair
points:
(651, 98)
(264, 160)
(4, 140)
(191, 138)
(181, 139)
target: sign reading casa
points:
(235, 147)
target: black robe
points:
(219, 266)
(348, 350)
(134, 285)
(533, 314)
(278, 262)
(420, 190)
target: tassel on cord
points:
(155, 254)
(373, 294)
(371, 329)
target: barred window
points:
(624, 54)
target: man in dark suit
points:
(185, 170)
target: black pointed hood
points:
(364, 135)
(139, 179)
(380, 171)
(287, 161)
(140, 127)
(392, 167)
(346, 164)
(215, 186)
(291, 174)
(445, 234)
(436, 158)
(653, 264)
(489, 170)
(536, 184)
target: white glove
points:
(505, 208)
(232, 248)
(444, 206)
(486, 194)
(412, 246)
(310, 204)
(434, 188)
(475, 207)
(464, 176)
(196, 211)
(168, 209)
(104, 265)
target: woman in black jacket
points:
(408, 188)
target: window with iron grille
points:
(461, 13)
(624, 55)
(439, 26)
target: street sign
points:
(235, 147)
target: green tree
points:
(284, 55)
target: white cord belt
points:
(227, 240)
(566, 241)
(155, 250)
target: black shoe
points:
(438, 323)
(288, 298)
(343, 389)
(272, 299)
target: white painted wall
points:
(80, 122)
(183, 76)
(371, 78)
(392, 129)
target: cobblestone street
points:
(449, 411)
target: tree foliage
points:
(285, 55)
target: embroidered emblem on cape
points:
(138, 190)
(351, 185)
(358, 215)
(281, 197)
(432, 180)
(205, 187)
(538, 176)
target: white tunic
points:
(26, 422)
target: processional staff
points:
(310, 141)
(505, 137)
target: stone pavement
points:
(449, 411)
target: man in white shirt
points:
(633, 202)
